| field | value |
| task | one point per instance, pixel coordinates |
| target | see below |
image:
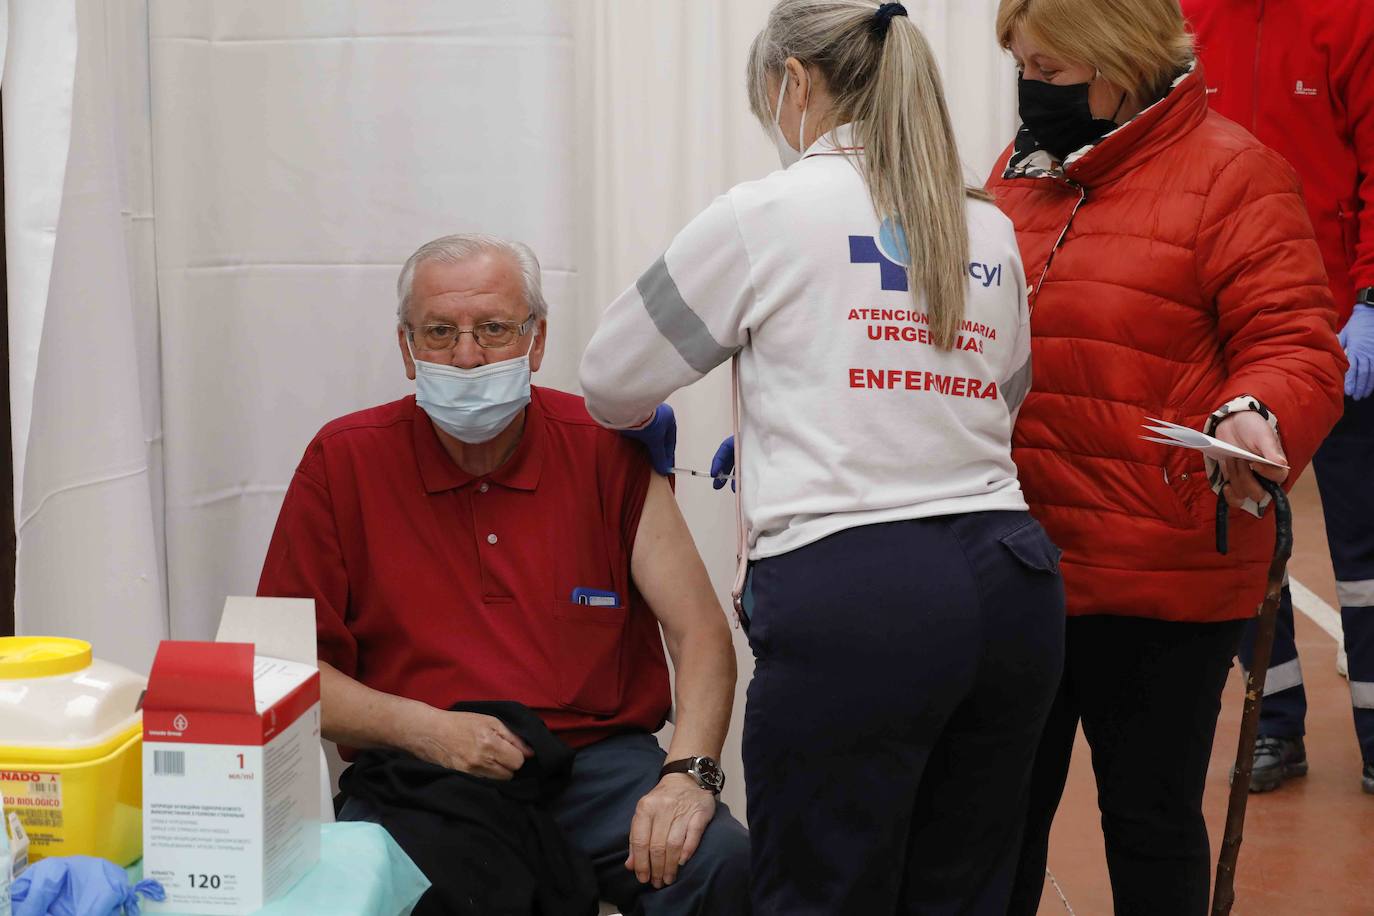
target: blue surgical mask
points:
(473, 405)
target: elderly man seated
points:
(485, 540)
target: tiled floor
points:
(1309, 847)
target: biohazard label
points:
(35, 795)
(31, 789)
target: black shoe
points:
(1367, 783)
(1277, 759)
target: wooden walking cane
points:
(1224, 894)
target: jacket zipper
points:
(1255, 81)
(1082, 199)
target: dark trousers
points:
(1148, 693)
(608, 780)
(903, 672)
(1283, 714)
(1344, 467)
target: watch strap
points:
(677, 766)
(688, 765)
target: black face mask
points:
(1059, 117)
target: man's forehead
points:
(487, 283)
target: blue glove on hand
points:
(659, 436)
(78, 886)
(723, 463)
(1358, 339)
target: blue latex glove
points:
(723, 463)
(1358, 339)
(78, 886)
(659, 436)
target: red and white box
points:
(231, 761)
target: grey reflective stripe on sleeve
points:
(1015, 388)
(676, 321)
(1283, 677)
(1362, 694)
(1356, 594)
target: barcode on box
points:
(46, 788)
(169, 763)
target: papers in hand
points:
(1167, 433)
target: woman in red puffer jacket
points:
(1173, 275)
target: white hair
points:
(453, 249)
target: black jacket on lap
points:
(488, 847)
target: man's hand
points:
(471, 743)
(667, 827)
(1248, 430)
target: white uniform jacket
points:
(850, 415)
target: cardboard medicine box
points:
(231, 761)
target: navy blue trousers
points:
(903, 672)
(1344, 467)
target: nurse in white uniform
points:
(907, 618)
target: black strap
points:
(882, 19)
(677, 766)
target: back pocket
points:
(1033, 547)
(587, 648)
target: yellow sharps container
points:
(71, 754)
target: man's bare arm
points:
(668, 572)
(355, 715)
(670, 575)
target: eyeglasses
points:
(489, 335)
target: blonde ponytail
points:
(889, 87)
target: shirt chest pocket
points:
(586, 642)
(588, 648)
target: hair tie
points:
(882, 19)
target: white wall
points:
(240, 253)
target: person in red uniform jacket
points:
(1173, 275)
(1300, 77)
(487, 540)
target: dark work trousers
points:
(1344, 467)
(903, 672)
(1283, 714)
(1148, 693)
(595, 810)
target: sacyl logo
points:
(986, 274)
(889, 252)
(891, 259)
(1301, 89)
(180, 723)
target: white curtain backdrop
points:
(87, 497)
(243, 180)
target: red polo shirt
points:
(432, 584)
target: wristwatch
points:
(1365, 296)
(704, 770)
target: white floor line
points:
(1317, 610)
(1059, 890)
